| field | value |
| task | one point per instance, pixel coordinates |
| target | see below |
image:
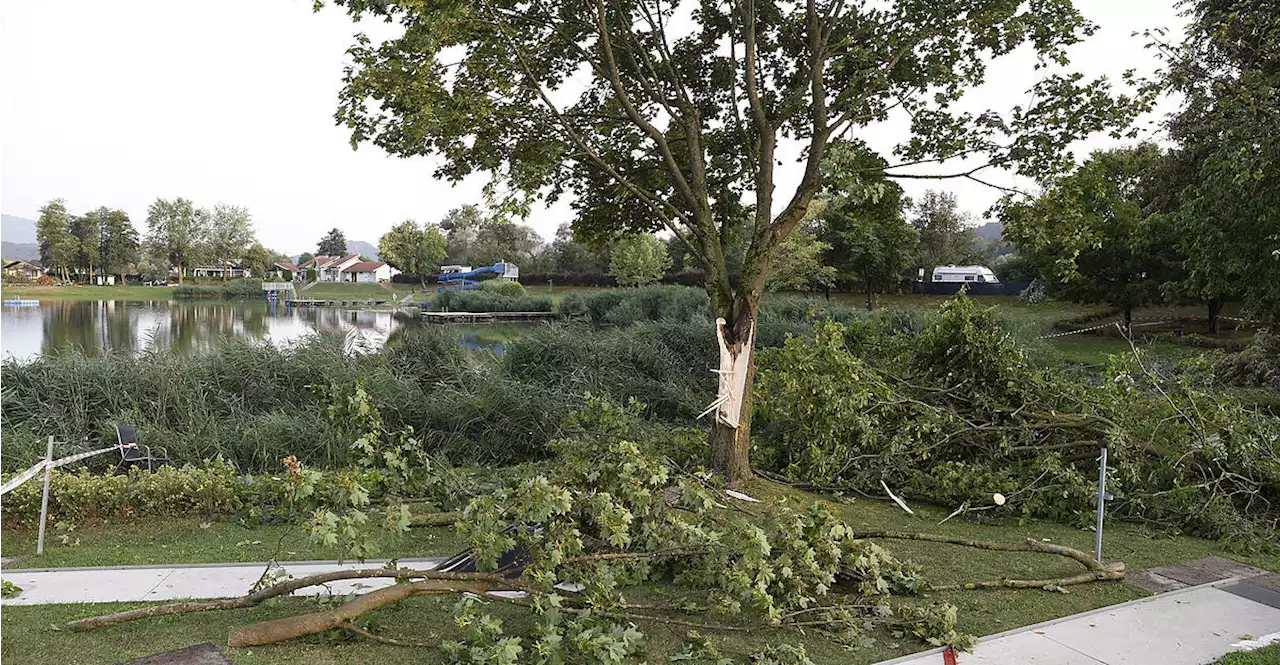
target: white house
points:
(366, 271)
(233, 270)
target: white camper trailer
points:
(979, 274)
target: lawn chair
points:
(134, 454)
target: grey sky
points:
(116, 103)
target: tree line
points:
(179, 236)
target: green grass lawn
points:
(30, 638)
(1268, 655)
(355, 290)
(86, 292)
(185, 540)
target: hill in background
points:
(363, 248)
(18, 238)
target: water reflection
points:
(100, 327)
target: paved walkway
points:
(1190, 626)
(160, 583)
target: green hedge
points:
(210, 488)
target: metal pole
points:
(1102, 498)
(44, 502)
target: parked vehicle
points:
(979, 274)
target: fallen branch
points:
(1095, 570)
(281, 589)
(280, 630)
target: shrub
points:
(209, 488)
(503, 287)
(625, 307)
(487, 301)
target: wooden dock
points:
(487, 317)
(335, 302)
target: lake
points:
(100, 327)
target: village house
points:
(22, 270)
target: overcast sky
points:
(117, 103)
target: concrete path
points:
(1191, 626)
(161, 583)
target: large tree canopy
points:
(677, 114)
(1095, 234)
(1225, 175)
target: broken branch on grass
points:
(1095, 570)
(283, 589)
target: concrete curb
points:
(1070, 617)
(241, 564)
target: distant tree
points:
(87, 232)
(1015, 268)
(304, 257)
(639, 258)
(946, 234)
(800, 264)
(176, 232)
(569, 255)
(258, 260)
(862, 220)
(499, 239)
(414, 249)
(461, 225)
(53, 233)
(120, 244)
(229, 234)
(334, 243)
(1090, 234)
(152, 270)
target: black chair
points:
(134, 454)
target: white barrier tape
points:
(70, 459)
(1082, 330)
(22, 477)
(79, 456)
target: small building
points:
(366, 271)
(285, 271)
(230, 270)
(22, 270)
(979, 274)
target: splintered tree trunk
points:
(731, 430)
(1215, 310)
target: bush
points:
(487, 301)
(503, 287)
(625, 307)
(207, 489)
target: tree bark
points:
(1215, 310)
(1128, 320)
(179, 273)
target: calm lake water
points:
(99, 327)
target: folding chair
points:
(134, 454)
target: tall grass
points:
(487, 300)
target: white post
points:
(44, 502)
(1102, 498)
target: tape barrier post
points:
(44, 501)
(1102, 498)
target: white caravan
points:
(979, 274)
